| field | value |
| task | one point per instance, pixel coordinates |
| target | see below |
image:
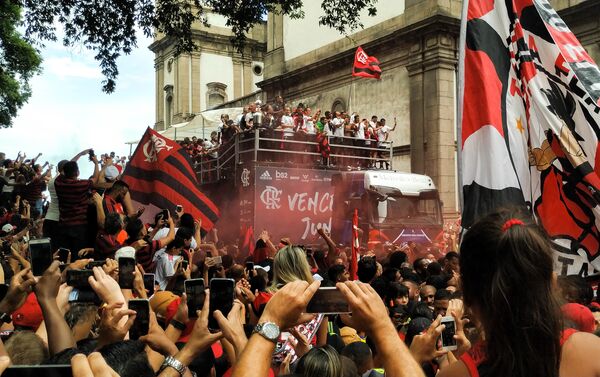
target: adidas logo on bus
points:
(266, 176)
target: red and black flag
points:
(161, 174)
(365, 65)
(531, 124)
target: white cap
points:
(266, 268)
(125, 252)
(111, 173)
(7, 228)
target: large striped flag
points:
(161, 174)
(531, 123)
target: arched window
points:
(215, 94)
(338, 105)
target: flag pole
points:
(460, 93)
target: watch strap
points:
(178, 325)
(172, 362)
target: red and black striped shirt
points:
(33, 190)
(106, 246)
(73, 197)
(145, 256)
(111, 205)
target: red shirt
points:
(73, 197)
(111, 205)
(106, 245)
(33, 190)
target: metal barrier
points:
(274, 146)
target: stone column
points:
(238, 85)
(432, 112)
(195, 82)
(182, 82)
(248, 82)
(159, 68)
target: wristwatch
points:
(172, 362)
(268, 330)
(5, 318)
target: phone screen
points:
(63, 254)
(82, 295)
(194, 289)
(328, 300)
(126, 268)
(249, 266)
(165, 214)
(184, 264)
(149, 283)
(449, 332)
(222, 292)
(79, 278)
(141, 325)
(40, 253)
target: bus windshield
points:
(397, 209)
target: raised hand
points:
(368, 310)
(110, 330)
(424, 346)
(286, 306)
(21, 285)
(48, 285)
(105, 287)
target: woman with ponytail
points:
(509, 285)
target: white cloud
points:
(65, 66)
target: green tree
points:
(108, 26)
(19, 61)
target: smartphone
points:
(82, 295)
(141, 325)
(91, 154)
(165, 214)
(184, 264)
(126, 268)
(328, 300)
(63, 254)
(194, 289)
(79, 278)
(179, 208)
(249, 266)
(149, 283)
(40, 253)
(448, 341)
(95, 263)
(208, 254)
(222, 293)
(3, 291)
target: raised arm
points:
(170, 236)
(60, 336)
(331, 254)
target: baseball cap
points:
(125, 252)
(7, 228)
(29, 314)
(580, 315)
(111, 173)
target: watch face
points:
(270, 330)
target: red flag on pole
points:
(161, 174)
(355, 246)
(365, 65)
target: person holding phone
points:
(145, 250)
(168, 262)
(509, 286)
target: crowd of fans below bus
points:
(493, 308)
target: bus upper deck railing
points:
(303, 150)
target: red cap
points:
(580, 315)
(29, 315)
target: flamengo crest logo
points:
(153, 147)
(245, 177)
(271, 197)
(361, 57)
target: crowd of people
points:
(281, 121)
(510, 313)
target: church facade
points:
(416, 42)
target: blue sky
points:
(68, 111)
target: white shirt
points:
(338, 125)
(8, 188)
(165, 268)
(287, 123)
(249, 119)
(53, 212)
(382, 133)
(309, 126)
(162, 233)
(360, 131)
